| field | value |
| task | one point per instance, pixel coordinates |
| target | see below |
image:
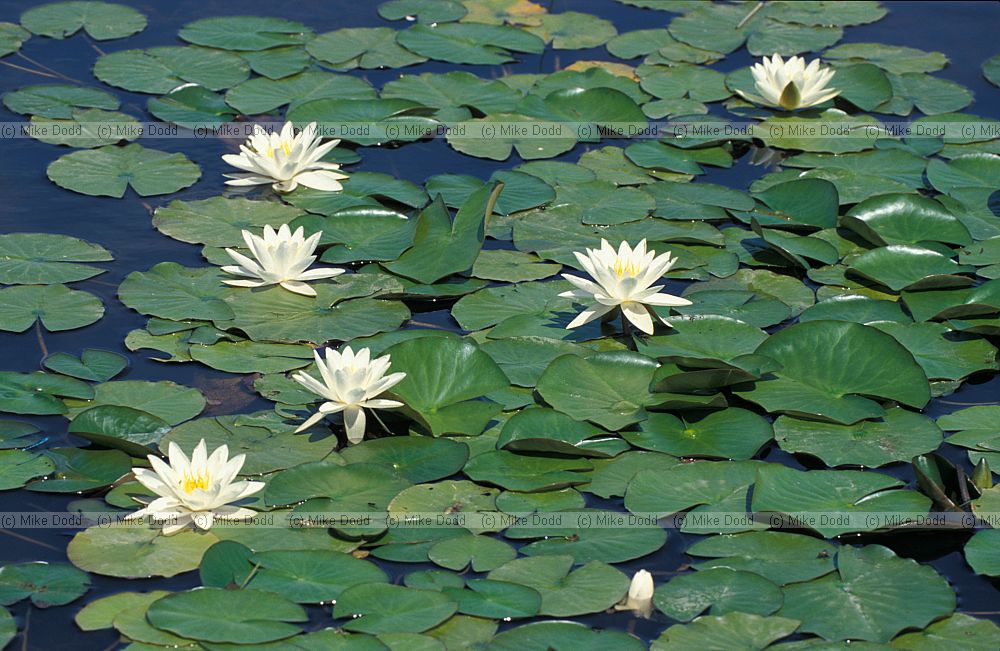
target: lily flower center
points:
(626, 268)
(284, 146)
(195, 482)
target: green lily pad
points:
(564, 636)
(898, 436)
(47, 584)
(503, 138)
(19, 467)
(93, 365)
(905, 219)
(102, 21)
(86, 128)
(873, 595)
(981, 552)
(930, 95)
(892, 58)
(259, 95)
(480, 553)
(474, 43)
(130, 430)
(833, 492)
(705, 486)
(610, 389)
(171, 291)
(591, 588)
(218, 615)
(720, 591)
(942, 354)
(130, 551)
(453, 89)
(162, 69)
(417, 458)
(353, 488)
(100, 613)
(496, 599)
(813, 380)
(378, 608)
(442, 246)
(425, 11)
(56, 306)
(57, 100)
(780, 557)
(958, 629)
(547, 430)
(572, 30)
(79, 469)
(171, 402)
(17, 435)
(362, 47)
(526, 473)
(857, 309)
(730, 631)
(306, 576)
(11, 38)
(109, 171)
(905, 267)
(967, 171)
(730, 434)
(38, 393)
(192, 107)
(245, 33)
(611, 477)
(445, 379)
(511, 266)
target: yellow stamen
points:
(194, 482)
(285, 147)
(622, 268)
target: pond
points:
(795, 441)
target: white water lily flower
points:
(640, 595)
(198, 491)
(282, 258)
(351, 383)
(285, 160)
(791, 84)
(622, 279)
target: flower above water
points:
(351, 383)
(286, 160)
(282, 258)
(198, 491)
(640, 595)
(622, 279)
(791, 84)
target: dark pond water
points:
(965, 31)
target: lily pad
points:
(588, 589)
(730, 631)
(873, 595)
(417, 458)
(425, 11)
(38, 393)
(445, 379)
(130, 551)
(56, 306)
(974, 634)
(311, 576)
(80, 469)
(720, 591)
(109, 171)
(478, 552)
(836, 493)
(19, 467)
(610, 389)
(362, 47)
(526, 473)
(378, 608)
(57, 100)
(595, 536)
(162, 69)
(898, 436)
(496, 599)
(101, 20)
(47, 584)
(564, 636)
(814, 379)
(172, 402)
(730, 434)
(130, 430)
(93, 365)
(11, 38)
(235, 616)
(475, 43)
(259, 95)
(780, 557)
(245, 33)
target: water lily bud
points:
(982, 477)
(640, 595)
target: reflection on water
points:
(963, 30)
